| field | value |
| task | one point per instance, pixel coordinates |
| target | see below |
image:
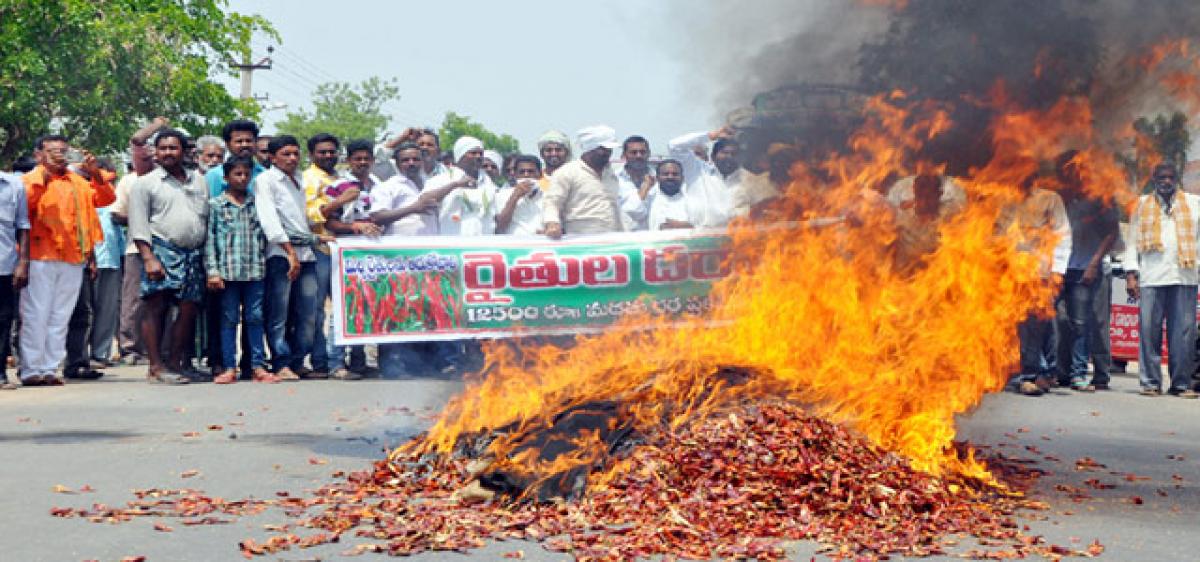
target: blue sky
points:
(519, 67)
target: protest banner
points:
(400, 289)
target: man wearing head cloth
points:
(467, 209)
(583, 194)
(493, 166)
(555, 149)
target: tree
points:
(344, 111)
(101, 67)
(1164, 138)
(958, 51)
(455, 126)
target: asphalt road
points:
(121, 434)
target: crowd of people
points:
(230, 235)
(214, 252)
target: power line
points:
(307, 75)
(310, 67)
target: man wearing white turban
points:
(493, 166)
(468, 209)
(555, 149)
(583, 194)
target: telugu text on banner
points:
(400, 289)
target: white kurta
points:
(396, 193)
(466, 211)
(668, 207)
(527, 216)
(709, 196)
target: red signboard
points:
(1123, 325)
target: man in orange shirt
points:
(64, 228)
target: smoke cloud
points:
(952, 51)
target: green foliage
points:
(344, 111)
(960, 51)
(102, 67)
(1166, 136)
(455, 126)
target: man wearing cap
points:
(555, 149)
(583, 194)
(466, 210)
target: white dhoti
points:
(46, 306)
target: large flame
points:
(820, 308)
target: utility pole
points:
(248, 69)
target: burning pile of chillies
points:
(741, 483)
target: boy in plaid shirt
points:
(235, 259)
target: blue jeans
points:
(1036, 336)
(1079, 358)
(334, 355)
(320, 349)
(302, 316)
(1177, 305)
(337, 353)
(275, 305)
(1078, 320)
(242, 300)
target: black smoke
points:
(956, 52)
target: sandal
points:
(311, 375)
(286, 374)
(165, 376)
(32, 380)
(86, 374)
(264, 376)
(345, 374)
(51, 380)
(228, 376)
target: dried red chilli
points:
(729, 486)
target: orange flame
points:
(821, 310)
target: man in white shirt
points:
(398, 205)
(953, 197)
(583, 194)
(291, 279)
(426, 139)
(669, 208)
(405, 206)
(1037, 214)
(1160, 264)
(708, 186)
(468, 209)
(636, 182)
(520, 206)
(14, 259)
